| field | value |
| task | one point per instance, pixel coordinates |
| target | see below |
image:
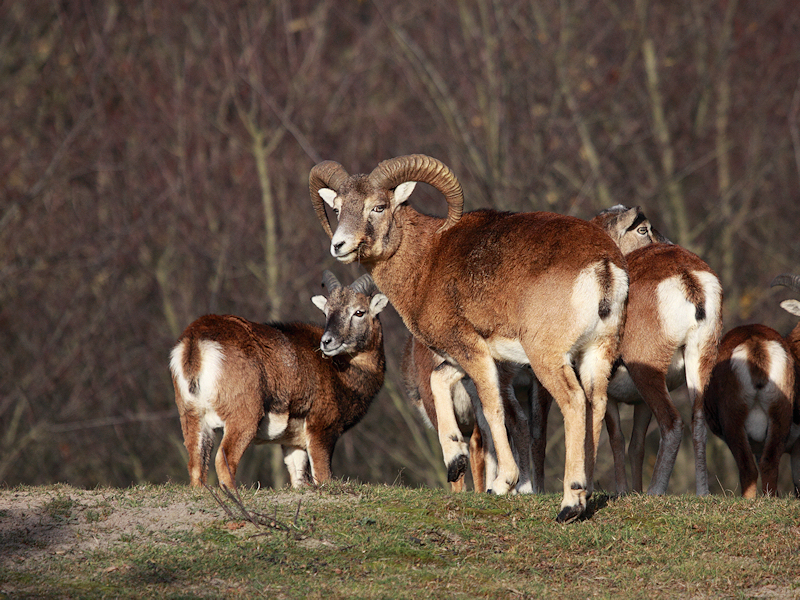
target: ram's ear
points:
(791, 306)
(321, 302)
(328, 195)
(402, 192)
(377, 304)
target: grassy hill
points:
(352, 540)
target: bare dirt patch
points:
(61, 520)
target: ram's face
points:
(365, 219)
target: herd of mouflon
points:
(595, 313)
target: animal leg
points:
(199, 442)
(641, 422)
(234, 443)
(563, 385)
(517, 425)
(477, 460)
(780, 417)
(795, 462)
(617, 441)
(481, 368)
(652, 386)
(540, 402)
(320, 453)
(488, 453)
(700, 355)
(454, 449)
(595, 370)
(296, 461)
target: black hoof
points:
(456, 468)
(569, 513)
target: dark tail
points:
(606, 285)
(695, 294)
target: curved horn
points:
(418, 167)
(790, 281)
(364, 285)
(327, 174)
(329, 281)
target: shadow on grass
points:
(596, 503)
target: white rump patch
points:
(677, 315)
(212, 359)
(587, 294)
(759, 400)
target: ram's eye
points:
(360, 313)
(642, 230)
(379, 209)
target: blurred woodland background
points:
(154, 161)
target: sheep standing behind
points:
(463, 406)
(292, 384)
(672, 329)
(749, 404)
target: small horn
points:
(418, 167)
(329, 281)
(790, 281)
(327, 174)
(364, 285)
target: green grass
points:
(352, 540)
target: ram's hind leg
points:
(595, 369)
(563, 385)
(199, 442)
